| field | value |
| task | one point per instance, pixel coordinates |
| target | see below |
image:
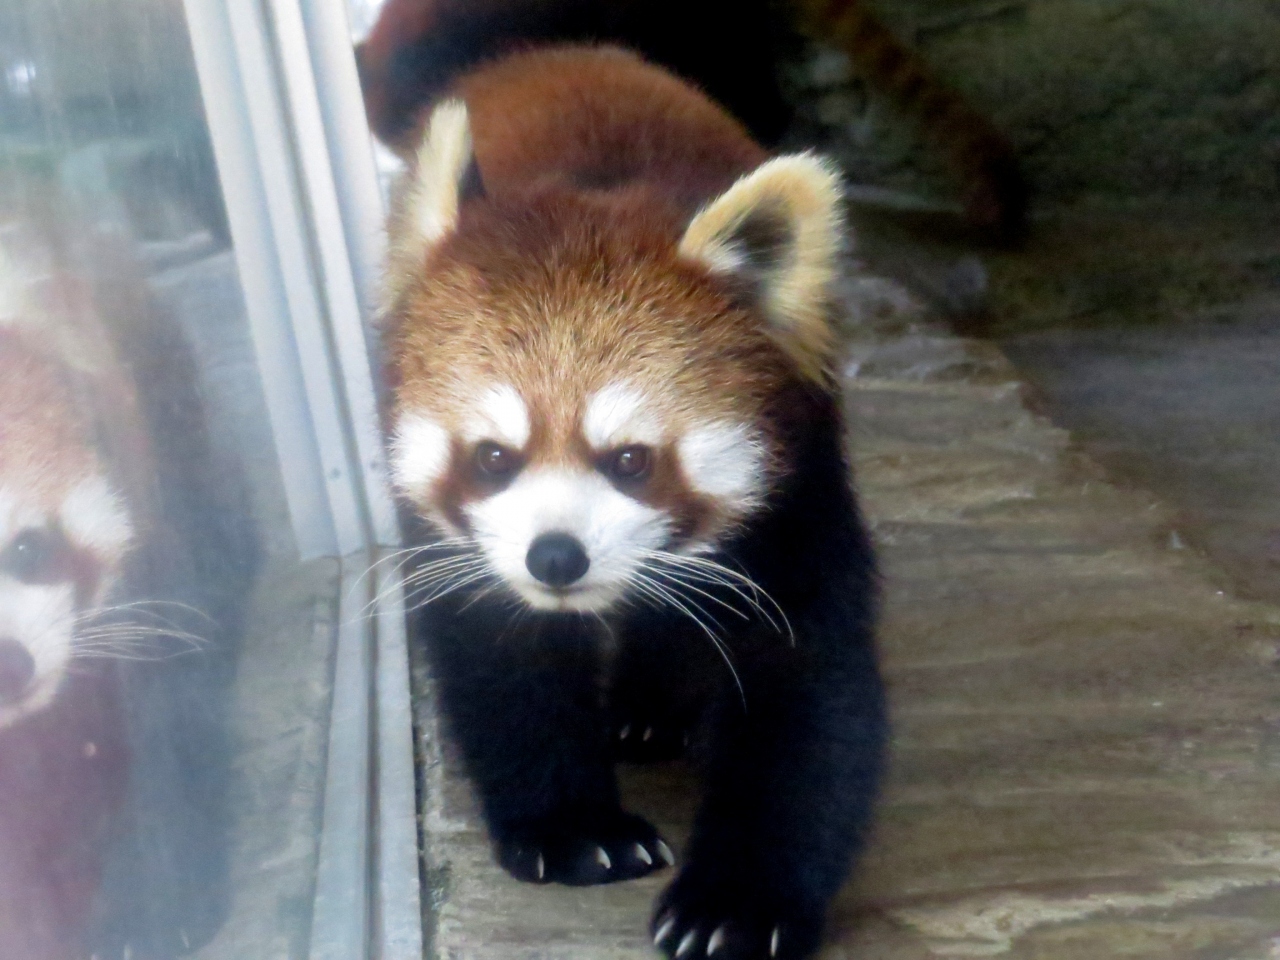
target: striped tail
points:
(995, 193)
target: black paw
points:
(582, 850)
(641, 741)
(697, 919)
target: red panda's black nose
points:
(17, 670)
(557, 559)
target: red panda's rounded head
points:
(64, 530)
(584, 381)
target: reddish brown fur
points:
(60, 339)
(560, 291)
(600, 118)
(984, 162)
(44, 440)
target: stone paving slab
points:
(1087, 746)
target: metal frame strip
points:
(298, 176)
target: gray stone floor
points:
(1189, 410)
(1087, 749)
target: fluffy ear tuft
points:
(442, 168)
(780, 229)
(443, 175)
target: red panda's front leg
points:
(788, 802)
(523, 702)
(797, 754)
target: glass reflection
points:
(165, 660)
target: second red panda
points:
(730, 48)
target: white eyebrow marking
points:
(419, 452)
(94, 516)
(617, 414)
(501, 415)
(16, 515)
(724, 461)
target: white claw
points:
(687, 943)
(624, 732)
(664, 931)
(648, 734)
(643, 855)
(602, 858)
(773, 941)
(665, 853)
(716, 941)
(542, 867)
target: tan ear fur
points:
(430, 196)
(796, 204)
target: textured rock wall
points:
(1109, 98)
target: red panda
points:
(609, 346)
(65, 529)
(65, 532)
(730, 48)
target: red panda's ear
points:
(442, 176)
(441, 170)
(780, 229)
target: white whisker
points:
(429, 575)
(144, 607)
(646, 584)
(711, 572)
(439, 582)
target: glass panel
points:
(165, 658)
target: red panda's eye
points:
(496, 461)
(35, 556)
(631, 463)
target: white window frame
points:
(298, 177)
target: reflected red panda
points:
(64, 526)
(65, 532)
(609, 344)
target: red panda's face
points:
(570, 492)
(581, 396)
(579, 422)
(63, 532)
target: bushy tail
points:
(995, 193)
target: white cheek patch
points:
(419, 453)
(725, 461)
(41, 619)
(619, 414)
(616, 531)
(501, 415)
(94, 517)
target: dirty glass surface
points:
(165, 657)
